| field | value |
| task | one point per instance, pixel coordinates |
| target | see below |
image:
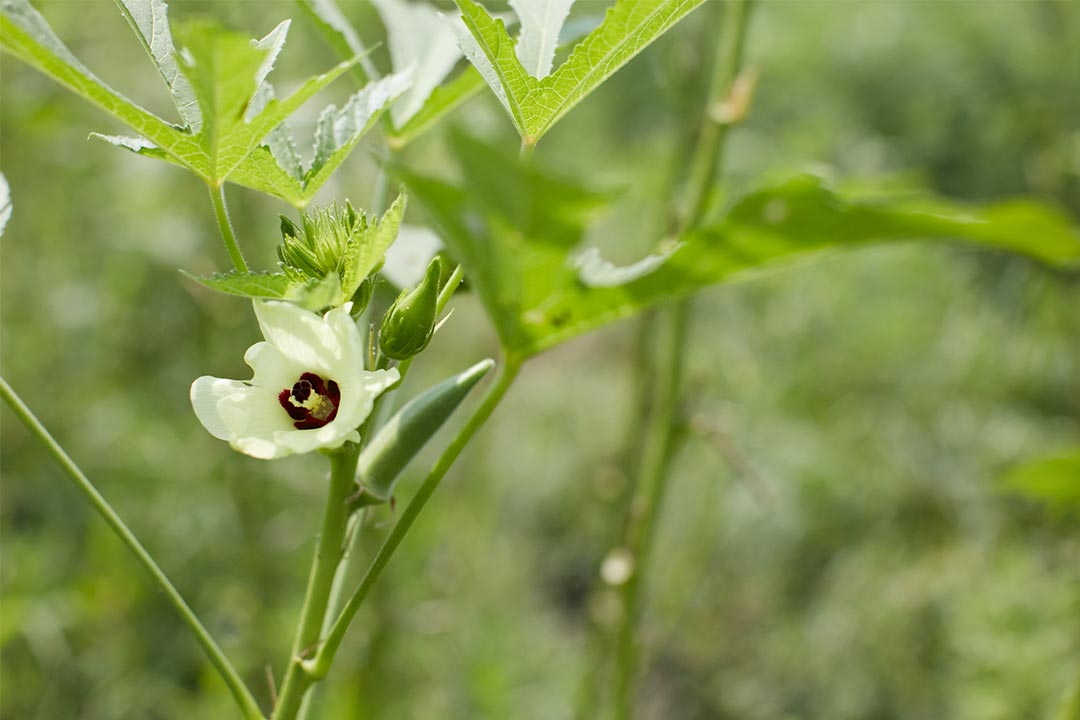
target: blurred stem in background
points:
(246, 701)
(651, 483)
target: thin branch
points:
(239, 690)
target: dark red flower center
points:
(311, 402)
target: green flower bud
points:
(409, 324)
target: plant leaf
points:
(524, 274)
(419, 39)
(535, 102)
(488, 46)
(340, 35)
(441, 102)
(541, 23)
(225, 71)
(25, 34)
(275, 168)
(366, 250)
(313, 294)
(149, 19)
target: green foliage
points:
(405, 434)
(1053, 480)
(422, 45)
(25, 34)
(515, 227)
(874, 396)
(275, 167)
(536, 101)
(149, 20)
(312, 293)
(443, 100)
(220, 90)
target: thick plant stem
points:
(328, 554)
(248, 705)
(318, 666)
(651, 484)
(221, 212)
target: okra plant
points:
(333, 352)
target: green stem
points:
(328, 554)
(248, 705)
(651, 485)
(221, 212)
(708, 154)
(318, 666)
(647, 499)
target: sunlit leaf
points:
(366, 250)
(25, 34)
(312, 293)
(149, 19)
(275, 166)
(535, 102)
(541, 23)
(224, 70)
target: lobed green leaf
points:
(313, 294)
(275, 167)
(535, 102)
(366, 250)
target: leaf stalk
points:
(221, 212)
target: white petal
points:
(273, 370)
(205, 394)
(261, 448)
(253, 413)
(303, 336)
(327, 437)
(358, 397)
(341, 323)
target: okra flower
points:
(310, 390)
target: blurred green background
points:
(836, 543)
